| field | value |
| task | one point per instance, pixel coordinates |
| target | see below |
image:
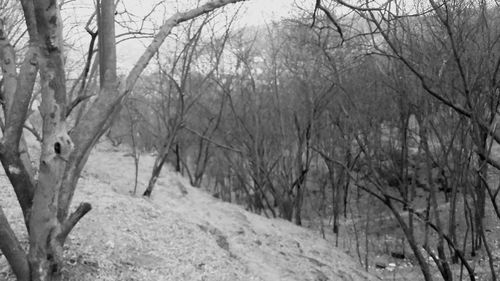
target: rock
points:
(398, 255)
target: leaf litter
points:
(180, 233)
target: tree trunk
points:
(350, 164)
(135, 153)
(178, 167)
(441, 262)
(480, 192)
(286, 208)
(202, 158)
(45, 257)
(335, 195)
(299, 197)
(160, 160)
(424, 267)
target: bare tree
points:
(45, 201)
(178, 98)
(458, 58)
(448, 48)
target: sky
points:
(258, 11)
(77, 12)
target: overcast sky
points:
(253, 12)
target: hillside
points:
(181, 233)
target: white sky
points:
(253, 12)
(258, 11)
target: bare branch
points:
(11, 248)
(34, 132)
(212, 141)
(330, 17)
(364, 9)
(76, 102)
(73, 219)
(165, 31)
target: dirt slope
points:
(181, 233)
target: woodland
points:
(372, 123)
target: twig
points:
(76, 102)
(212, 141)
(34, 132)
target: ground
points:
(180, 233)
(384, 239)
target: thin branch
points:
(165, 31)
(76, 102)
(364, 9)
(212, 141)
(34, 132)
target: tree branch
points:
(76, 102)
(72, 220)
(34, 132)
(212, 141)
(11, 248)
(330, 17)
(364, 9)
(98, 117)
(165, 31)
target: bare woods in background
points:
(324, 116)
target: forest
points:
(372, 123)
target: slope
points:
(181, 233)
